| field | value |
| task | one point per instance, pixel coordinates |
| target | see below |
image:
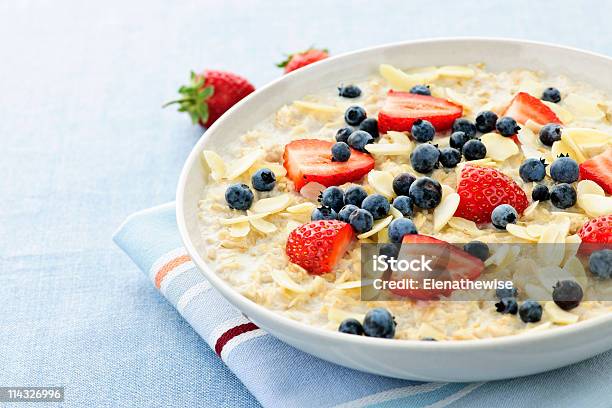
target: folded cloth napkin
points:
(279, 375)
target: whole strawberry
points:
(303, 58)
(210, 94)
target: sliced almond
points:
(401, 81)
(283, 279)
(305, 207)
(395, 212)
(498, 147)
(445, 210)
(530, 210)
(534, 291)
(389, 149)
(378, 226)
(353, 284)
(426, 330)
(278, 169)
(558, 315)
(571, 143)
(587, 135)
(239, 230)
(337, 315)
(563, 114)
(533, 126)
(520, 232)
(589, 187)
(262, 225)
(272, 205)
(535, 230)
(530, 85)
(459, 98)
(383, 236)
(583, 107)
(456, 71)
(561, 147)
(381, 182)
(215, 164)
(399, 137)
(242, 219)
(574, 267)
(595, 205)
(242, 164)
(548, 276)
(466, 226)
(316, 108)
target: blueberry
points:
(402, 183)
(351, 326)
(503, 215)
(377, 205)
(379, 323)
(355, 195)
(426, 193)
(422, 131)
(563, 196)
(358, 139)
(354, 115)
(449, 157)
(390, 250)
(404, 205)
(239, 196)
(458, 139)
(333, 197)
(550, 133)
(474, 150)
(551, 95)
(507, 305)
(323, 213)
(346, 211)
(485, 121)
(478, 249)
(532, 169)
(530, 311)
(540, 193)
(424, 158)
(507, 126)
(564, 170)
(343, 134)
(361, 221)
(600, 263)
(341, 152)
(349, 91)
(370, 125)
(465, 126)
(420, 90)
(400, 227)
(263, 180)
(567, 294)
(506, 293)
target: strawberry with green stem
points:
(303, 58)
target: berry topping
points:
(474, 149)
(400, 227)
(354, 115)
(351, 326)
(346, 211)
(421, 90)
(377, 205)
(402, 183)
(401, 109)
(358, 139)
(507, 126)
(309, 160)
(532, 169)
(563, 196)
(318, 245)
(333, 197)
(450, 157)
(424, 158)
(422, 131)
(540, 193)
(340, 152)
(597, 230)
(478, 249)
(599, 170)
(239, 196)
(361, 221)
(426, 193)
(343, 134)
(503, 215)
(524, 107)
(355, 195)
(507, 305)
(567, 294)
(551, 95)
(302, 58)
(404, 205)
(379, 323)
(564, 170)
(349, 91)
(370, 125)
(530, 311)
(485, 121)
(323, 213)
(506, 293)
(550, 133)
(263, 180)
(600, 263)
(458, 139)
(481, 189)
(465, 126)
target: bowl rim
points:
(241, 302)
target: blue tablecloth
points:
(84, 143)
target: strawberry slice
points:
(597, 231)
(481, 189)
(599, 170)
(452, 264)
(318, 245)
(401, 109)
(310, 160)
(524, 106)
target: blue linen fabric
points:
(84, 143)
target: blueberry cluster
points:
(529, 311)
(239, 196)
(360, 131)
(378, 322)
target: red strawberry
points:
(597, 231)
(303, 58)
(318, 245)
(401, 109)
(210, 94)
(481, 189)
(599, 170)
(525, 106)
(309, 160)
(452, 264)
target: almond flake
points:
(242, 164)
(241, 219)
(530, 210)
(399, 137)
(536, 291)
(239, 230)
(381, 182)
(466, 226)
(401, 81)
(389, 149)
(499, 147)
(272, 205)
(561, 147)
(428, 331)
(589, 187)
(558, 315)
(301, 208)
(574, 267)
(262, 225)
(282, 279)
(383, 236)
(533, 126)
(378, 226)
(582, 107)
(353, 284)
(579, 155)
(535, 230)
(278, 169)
(215, 164)
(456, 71)
(316, 108)
(445, 210)
(338, 315)
(563, 114)
(548, 276)
(459, 98)
(587, 135)
(595, 205)
(395, 212)
(520, 232)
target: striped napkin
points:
(279, 375)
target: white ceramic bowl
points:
(472, 360)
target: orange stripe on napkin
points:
(170, 265)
